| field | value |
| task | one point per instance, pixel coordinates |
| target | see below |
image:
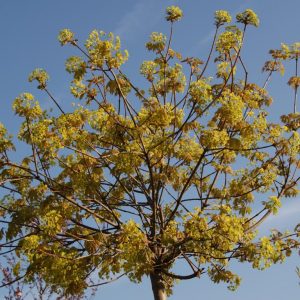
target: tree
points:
(135, 179)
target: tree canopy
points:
(135, 179)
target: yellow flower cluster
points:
(224, 69)
(273, 204)
(172, 79)
(222, 17)
(75, 65)
(231, 110)
(148, 69)
(248, 17)
(26, 106)
(119, 86)
(41, 76)
(229, 39)
(65, 36)
(200, 92)
(5, 142)
(78, 89)
(105, 49)
(214, 138)
(157, 42)
(173, 13)
(188, 150)
(294, 82)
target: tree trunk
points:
(158, 287)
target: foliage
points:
(23, 290)
(120, 187)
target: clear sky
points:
(28, 31)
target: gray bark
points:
(158, 287)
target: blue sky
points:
(28, 31)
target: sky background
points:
(28, 31)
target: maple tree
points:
(135, 179)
